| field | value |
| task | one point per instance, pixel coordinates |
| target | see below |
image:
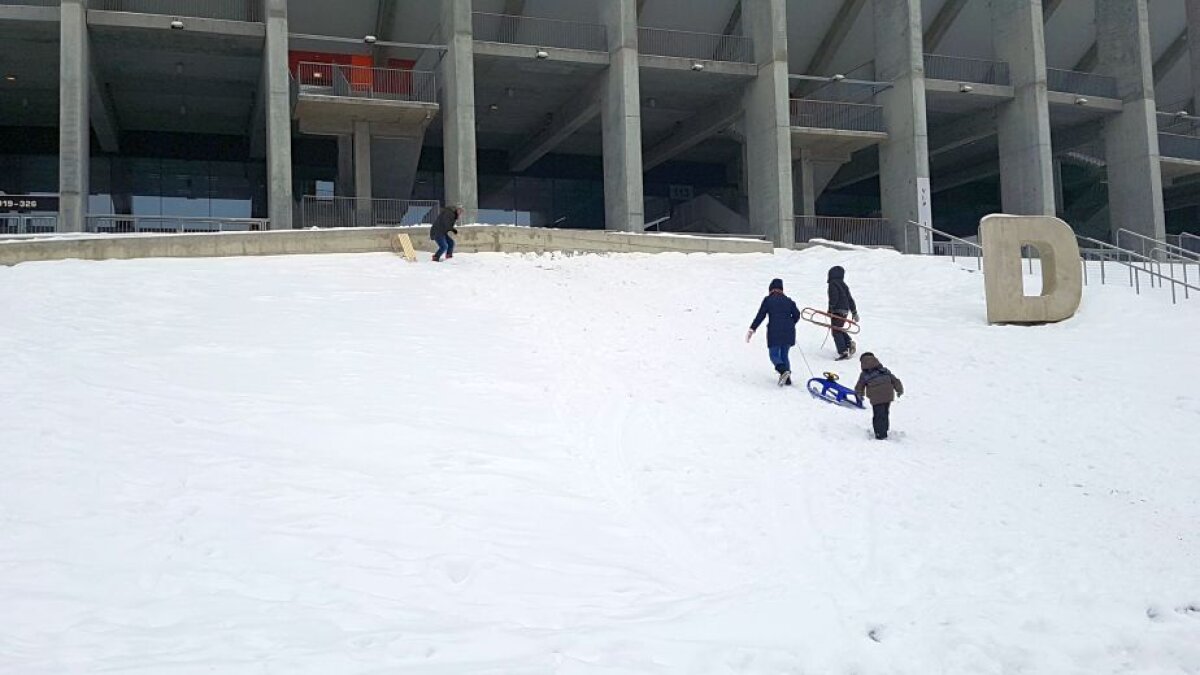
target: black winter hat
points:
(836, 272)
(775, 283)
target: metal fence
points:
(536, 32)
(1077, 82)
(1154, 248)
(122, 224)
(1178, 124)
(701, 46)
(355, 212)
(388, 84)
(961, 69)
(857, 231)
(233, 10)
(1185, 240)
(837, 115)
(23, 223)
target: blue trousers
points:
(445, 245)
(779, 357)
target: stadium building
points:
(790, 119)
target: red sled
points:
(825, 320)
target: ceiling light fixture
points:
(1181, 113)
(11, 78)
(369, 39)
(837, 77)
(966, 88)
(176, 24)
(697, 66)
(1081, 101)
(542, 54)
(493, 107)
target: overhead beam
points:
(104, 115)
(565, 121)
(1087, 63)
(834, 38)
(942, 23)
(385, 18)
(1172, 56)
(1049, 7)
(693, 131)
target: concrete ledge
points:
(471, 239)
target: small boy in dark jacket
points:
(881, 387)
(781, 329)
(841, 305)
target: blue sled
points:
(832, 392)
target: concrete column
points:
(458, 108)
(279, 116)
(768, 125)
(362, 173)
(904, 158)
(621, 120)
(74, 125)
(1023, 124)
(1131, 137)
(344, 186)
(1059, 200)
(1193, 31)
(804, 195)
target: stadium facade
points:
(784, 118)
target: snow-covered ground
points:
(524, 464)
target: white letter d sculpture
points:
(1002, 237)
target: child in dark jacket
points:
(841, 305)
(781, 329)
(881, 387)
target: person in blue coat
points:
(781, 328)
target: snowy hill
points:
(522, 464)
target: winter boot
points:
(437, 258)
(844, 355)
(853, 347)
(785, 377)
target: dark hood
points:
(869, 362)
(836, 273)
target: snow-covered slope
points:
(522, 464)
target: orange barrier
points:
(825, 320)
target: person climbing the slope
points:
(443, 225)
(881, 387)
(841, 305)
(781, 328)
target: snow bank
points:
(572, 464)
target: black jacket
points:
(839, 292)
(444, 223)
(781, 329)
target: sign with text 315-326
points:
(28, 203)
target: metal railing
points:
(361, 212)
(1178, 124)
(32, 3)
(689, 45)
(1145, 245)
(940, 243)
(1186, 241)
(1078, 82)
(387, 84)
(962, 69)
(233, 10)
(26, 223)
(1135, 263)
(1178, 136)
(536, 32)
(857, 231)
(837, 115)
(122, 224)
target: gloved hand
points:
(749, 334)
(855, 315)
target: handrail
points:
(953, 250)
(1183, 262)
(1182, 252)
(1135, 270)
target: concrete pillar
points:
(344, 185)
(362, 173)
(1135, 196)
(1193, 31)
(904, 157)
(458, 108)
(1023, 124)
(74, 125)
(767, 124)
(279, 116)
(621, 120)
(804, 195)
(1059, 200)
